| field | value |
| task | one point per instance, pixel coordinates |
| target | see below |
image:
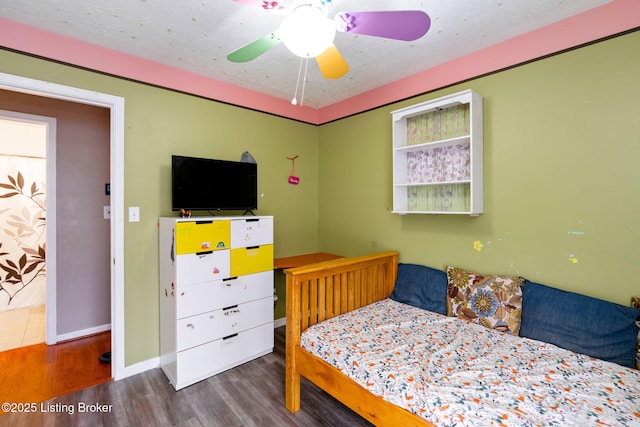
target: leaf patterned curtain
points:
(22, 231)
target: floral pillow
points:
(491, 301)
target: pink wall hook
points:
(293, 179)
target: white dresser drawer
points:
(245, 288)
(251, 232)
(195, 330)
(209, 296)
(213, 357)
(196, 299)
(202, 267)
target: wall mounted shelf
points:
(437, 156)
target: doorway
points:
(78, 243)
(116, 108)
(24, 142)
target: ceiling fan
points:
(308, 32)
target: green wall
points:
(159, 123)
(561, 181)
(561, 178)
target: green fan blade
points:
(254, 49)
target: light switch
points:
(134, 214)
(107, 212)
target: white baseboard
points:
(279, 322)
(83, 333)
(141, 367)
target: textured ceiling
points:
(196, 35)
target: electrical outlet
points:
(107, 212)
(134, 214)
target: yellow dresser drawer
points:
(202, 236)
(253, 259)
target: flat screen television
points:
(212, 185)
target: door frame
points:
(116, 106)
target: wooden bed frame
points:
(320, 291)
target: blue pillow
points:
(579, 323)
(421, 286)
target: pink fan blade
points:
(331, 63)
(266, 5)
(404, 25)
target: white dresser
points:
(216, 294)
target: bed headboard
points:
(317, 292)
(320, 291)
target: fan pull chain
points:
(304, 81)
(294, 101)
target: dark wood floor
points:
(39, 372)
(248, 395)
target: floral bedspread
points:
(455, 373)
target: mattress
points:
(455, 373)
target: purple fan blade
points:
(405, 25)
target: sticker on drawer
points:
(205, 246)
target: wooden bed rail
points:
(320, 291)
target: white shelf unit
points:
(216, 294)
(437, 156)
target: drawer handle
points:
(204, 222)
(252, 220)
(228, 337)
(229, 279)
(204, 253)
(231, 310)
(253, 247)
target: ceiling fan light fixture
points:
(307, 32)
